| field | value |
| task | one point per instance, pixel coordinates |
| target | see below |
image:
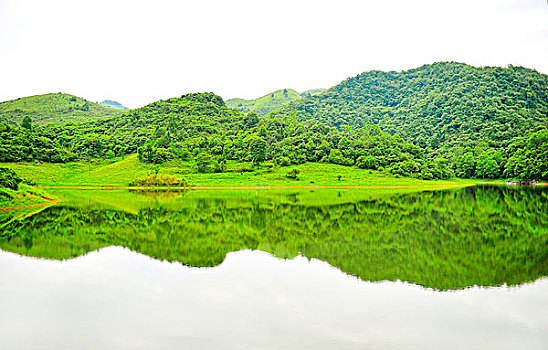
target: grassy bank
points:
(125, 171)
(25, 196)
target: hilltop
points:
(267, 103)
(463, 113)
(54, 108)
(441, 103)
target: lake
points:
(278, 269)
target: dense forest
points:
(203, 128)
(53, 108)
(482, 120)
(436, 121)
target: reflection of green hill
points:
(442, 239)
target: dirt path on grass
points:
(51, 201)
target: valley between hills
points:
(439, 124)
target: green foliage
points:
(187, 127)
(150, 154)
(53, 108)
(27, 123)
(447, 109)
(35, 144)
(483, 122)
(367, 162)
(293, 174)
(203, 162)
(336, 157)
(257, 148)
(159, 180)
(266, 104)
(529, 160)
(9, 179)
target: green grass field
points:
(125, 171)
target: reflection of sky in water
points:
(115, 298)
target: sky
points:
(137, 52)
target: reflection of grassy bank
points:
(443, 239)
(133, 200)
(126, 171)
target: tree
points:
(465, 165)
(9, 179)
(27, 123)
(257, 148)
(251, 120)
(487, 167)
(336, 157)
(367, 162)
(293, 174)
(203, 161)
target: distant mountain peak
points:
(269, 102)
(113, 104)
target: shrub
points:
(5, 194)
(9, 179)
(292, 174)
(159, 180)
(282, 161)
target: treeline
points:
(476, 118)
(202, 128)
(436, 121)
(31, 143)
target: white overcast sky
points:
(137, 52)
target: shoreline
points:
(249, 187)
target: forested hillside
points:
(480, 119)
(266, 104)
(201, 127)
(435, 121)
(53, 108)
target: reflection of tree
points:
(444, 239)
(160, 194)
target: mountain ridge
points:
(57, 108)
(265, 104)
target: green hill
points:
(463, 113)
(201, 128)
(430, 122)
(266, 104)
(53, 108)
(113, 104)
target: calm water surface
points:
(278, 270)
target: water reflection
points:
(444, 239)
(116, 298)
